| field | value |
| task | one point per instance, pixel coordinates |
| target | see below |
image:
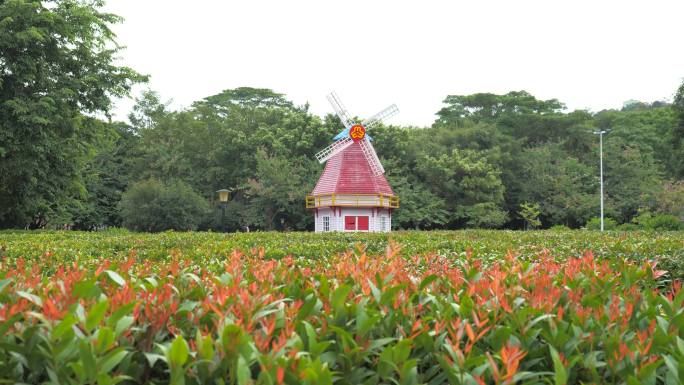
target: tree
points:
(492, 107)
(277, 192)
(107, 175)
(470, 185)
(148, 110)
(529, 212)
(648, 129)
(678, 132)
(631, 178)
(253, 140)
(154, 206)
(246, 98)
(506, 126)
(670, 200)
(56, 71)
(565, 188)
(420, 208)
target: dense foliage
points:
(57, 72)
(470, 169)
(154, 206)
(187, 308)
(483, 161)
(485, 158)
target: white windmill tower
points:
(352, 193)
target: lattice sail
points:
(340, 110)
(371, 156)
(342, 140)
(334, 149)
(384, 114)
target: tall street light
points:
(223, 200)
(600, 134)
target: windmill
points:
(352, 193)
(355, 132)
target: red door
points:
(350, 223)
(362, 223)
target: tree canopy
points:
(57, 71)
(489, 160)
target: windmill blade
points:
(384, 114)
(371, 156)
(341, 112)
(334, 149)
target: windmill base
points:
(353, 219)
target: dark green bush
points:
(595, 224)
(658, 222)
(628, 227)
(154, 206)
(664, 222)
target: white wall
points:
(337, 221)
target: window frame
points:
(383, 223)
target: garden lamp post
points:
(223, 195)
(600, 134)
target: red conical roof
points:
(349, 173)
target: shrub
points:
(559, 228)
(595, 224)
(628, 227)
(659, 222)
(664, 222)
(153, 206)
(671, 199)
(530, 212)
(350, 317)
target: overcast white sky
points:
(588, 54)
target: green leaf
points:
(178, 353)
(386, 363)
(402, 351)
(4, 283)
(123, 324)
(105, 339)
(121, 311)
(63, 326)
(152, 281)
(96, 314)
(111, 360)
(31, 298)
(87, 359)
(205, 346)
(377, 294)
(561, 374)
(408, 373)
(152, 358)
(338, 298)
(522, 376)
(380, 343)
(537, 320)
(309, 304)
(115, 277)
(187, 306)
(673, 367)
(244, 375)
(389, 294)
(426, 281)
(85, 289)
(231, 338)
(631, 380)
